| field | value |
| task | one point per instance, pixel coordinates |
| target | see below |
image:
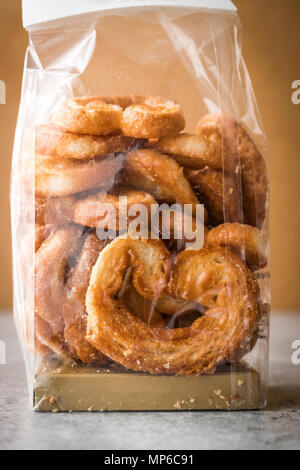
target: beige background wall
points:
(271, 50)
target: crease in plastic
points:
(40, 11)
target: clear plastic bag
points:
(139, 202)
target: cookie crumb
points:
(234, 396)
(179, 404)
(53, 399)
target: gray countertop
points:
(278, 427)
